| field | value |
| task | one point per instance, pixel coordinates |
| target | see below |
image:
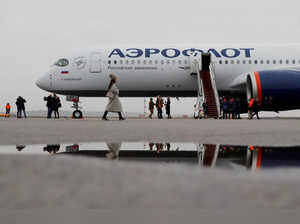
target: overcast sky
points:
(34, 33)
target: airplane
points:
(266, 73)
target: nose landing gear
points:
(77, 114)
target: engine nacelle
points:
(275, 90)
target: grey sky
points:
(35, 33)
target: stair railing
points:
(214, 86)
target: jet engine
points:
(275, 90)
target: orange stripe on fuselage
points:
(258, 84)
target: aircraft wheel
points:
(77, 114)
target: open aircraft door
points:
(95, 62)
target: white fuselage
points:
(147, 71)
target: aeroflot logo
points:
(173, 52)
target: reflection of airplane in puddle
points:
(205, 155)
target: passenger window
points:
(109, 62)
(156, 62)
(168, 62)
(226, 62)
(127, 62)
(121, 62)
(268, 61)
(274, 62)
(244, 62)
(162, 62)
(179, 62)
(294, 62)
(115, 62)
(133, 62)
(255, 62)
(138, 62)
(261, 61)
(173, 62)
(232, 62)
(145, 62)
(287, 61)
(238, 62)
(250, 62)
(220, 62)
(150, 62)
(185, 62)
(280, 61)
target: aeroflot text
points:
(173, 52)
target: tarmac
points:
(267, 132)
(61, 189)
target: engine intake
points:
(275, 90)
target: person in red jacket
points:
(7, 108)
(250, 108)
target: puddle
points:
(203, 155)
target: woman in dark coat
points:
(56, 105)
(168, 108)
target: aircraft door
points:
(95, 63)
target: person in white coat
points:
(114, 104)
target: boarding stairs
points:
(207, 89)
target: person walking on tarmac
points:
(114, 104)
(21, 107)
(49, 105)
(238, 108)
(159, 106)
(168, 108)
(255, 109)
(231, 108)
(205, 109)
(56, 105)
(250, 108)
(7, 108)
(151, 107)
(225, 108)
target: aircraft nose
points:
(43, 82)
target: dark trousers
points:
(49, 112)
(56, 113)
(19, 113)
(159, 113)
(106, 112)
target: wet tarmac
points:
(171, 174)
(238, 132)
(238, 157)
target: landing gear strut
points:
(77, 114)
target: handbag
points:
(109, 94)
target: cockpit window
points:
(62, 62)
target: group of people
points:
(20, 104)
(160, 104)
(230, 108)
(53, 104)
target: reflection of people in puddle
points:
(159, 147)
(20, 147)
(52, 149)
(151, 146)
(113, 150)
